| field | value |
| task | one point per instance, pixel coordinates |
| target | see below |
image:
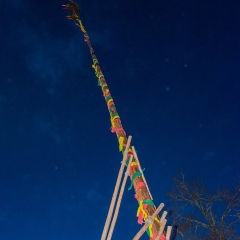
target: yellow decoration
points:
(133, 164)
(120, 140)
(150, 231)
(140, 208)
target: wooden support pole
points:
(119, 201)
(163, 222)
(149, 221)
(115, 192)
(162, 226)
(140, 168)
(169, 230)
(163, 216)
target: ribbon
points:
(149, 231)
(133, 165)
(136, 174)
(153, 237)
(139, 185)
(141, 213)
(120, 140)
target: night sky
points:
(173, 69)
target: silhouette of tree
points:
(200, 215)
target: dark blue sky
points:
(173, 68)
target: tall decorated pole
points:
(146, 205)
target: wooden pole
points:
(142, 193)
(169, 230)
(140, 168)
(119, 201)
(163, 224)
(115, 192)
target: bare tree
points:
(201, 215)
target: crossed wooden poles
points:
(113, 210)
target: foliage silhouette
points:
(201, 215)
